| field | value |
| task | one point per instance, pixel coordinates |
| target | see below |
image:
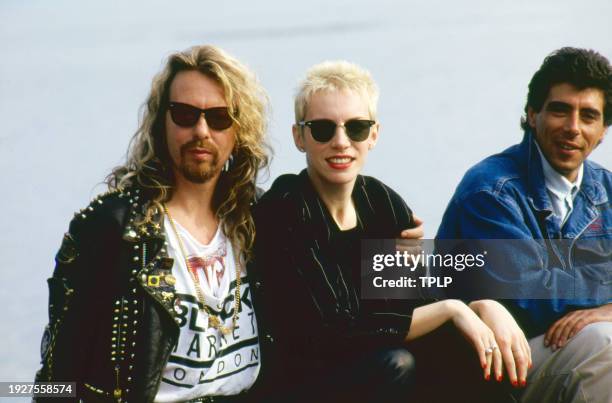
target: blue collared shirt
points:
(562, 192)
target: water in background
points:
(453, 79)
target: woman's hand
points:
(427, 318)
(479, 335)
(511, 340)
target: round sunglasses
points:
(186, 115)
(323, 130)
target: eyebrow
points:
(563, 106)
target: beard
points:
(199, 171)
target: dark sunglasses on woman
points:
(323, 130)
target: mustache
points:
(197, 143)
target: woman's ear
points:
(373, 136)
(298, 137)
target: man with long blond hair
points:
(149, 299)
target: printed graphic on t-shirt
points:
(204, 355)
(205, 361)
(213, 268)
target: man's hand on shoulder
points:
(569, 325)
(414, 233)
(410, 240)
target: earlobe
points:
(603, 136)
(298, 138)
(371, 143)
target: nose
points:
(201, 128)
(572, 123)
(340, 139)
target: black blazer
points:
(306, 277)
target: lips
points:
(568, 148)
(198, 150)
(201, 155)
(340, 161)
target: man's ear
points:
(298, 137)
(603, 136)
(531, 117)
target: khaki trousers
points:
(580, 372)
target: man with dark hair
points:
(149, 299)
(545, 189)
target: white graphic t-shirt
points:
(205, 362)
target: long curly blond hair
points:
(148, 163)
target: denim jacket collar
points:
(593, 189)
(536, 186)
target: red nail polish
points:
(484, 366)
(523, 383)
(514, 383)
(499, 378)
(487, 377)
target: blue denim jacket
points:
(504, 197)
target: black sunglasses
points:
(323, 130)
(186, 115)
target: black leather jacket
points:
(111, 319)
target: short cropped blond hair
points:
(336, 75)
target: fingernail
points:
(484, 366)
(487, 377)
(514, 383)
(545, 343)
(523, 383)
(499, 378)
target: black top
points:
(308, 275)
